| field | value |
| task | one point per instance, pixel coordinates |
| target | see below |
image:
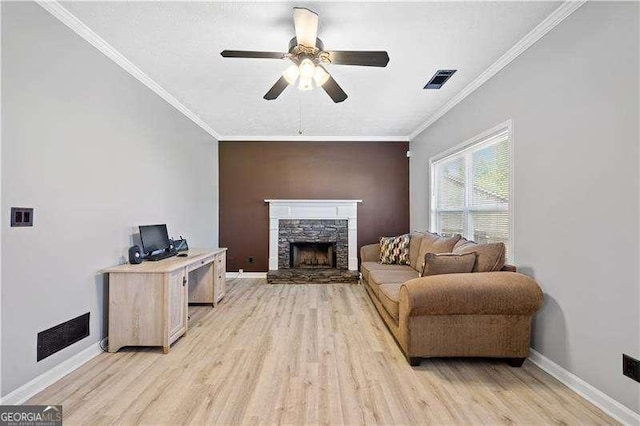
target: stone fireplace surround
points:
(313, 231)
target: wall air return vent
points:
(439, 79)
(62, 335)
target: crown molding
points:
(70, 20)
(289, 138)
(549, 23)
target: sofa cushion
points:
(370, 252)
(463, 242)
(489, 257)
(389, 295)
(414, 249)
(395, 250)
(367, 267)
(392, 277)
(434, 243)
(448, 263)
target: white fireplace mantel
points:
(313, 209)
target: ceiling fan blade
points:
(252, 54)
(306, 23)
(363, 58)
(334, 90)
(276, 89)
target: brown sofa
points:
(477, 314)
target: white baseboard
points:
(26, 391)
(585, 390)
(233, 275)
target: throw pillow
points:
(448, 263)
(489, 257)
(434, 243)
(395, 250)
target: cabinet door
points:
(220, 272)
(177, 304)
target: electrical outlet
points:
(250, 259)
(631, 367)
(21, 216)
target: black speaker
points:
(135, 255)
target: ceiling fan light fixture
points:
(307, 68)
(291, 74)
(309, 56)
(320, 76)
(305, 83)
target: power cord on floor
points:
(105, 346)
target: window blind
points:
(470, 191)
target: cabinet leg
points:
(165, 350)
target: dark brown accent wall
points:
(250, 172)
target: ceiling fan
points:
(309, 58)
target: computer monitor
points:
(154, 237)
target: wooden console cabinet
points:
(148, 303)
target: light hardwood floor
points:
(304, 354)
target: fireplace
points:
(312, 255)
(313, 244)
(313, 241)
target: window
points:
(471, 187)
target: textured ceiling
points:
(178, 45)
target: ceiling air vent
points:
(439, 79)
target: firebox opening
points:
(312, 255)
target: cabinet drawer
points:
(200, 262)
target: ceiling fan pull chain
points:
(299, 114)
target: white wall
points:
(95, 153)
(573, 99)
